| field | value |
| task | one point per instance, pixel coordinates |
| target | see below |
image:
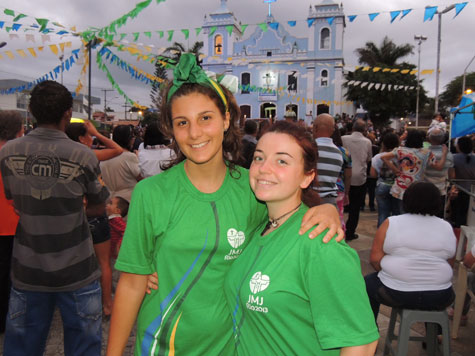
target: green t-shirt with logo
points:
(290, 295)
(191, 239)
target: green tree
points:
(174, 52)
(452, 94)
(155, 92)
(382, 104)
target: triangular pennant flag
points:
(122, 36)
(2, 23)
(61, 46)
(274, 25)
(198, 30)
(427, 71)
(394, 70)
(148, 34)
(352, 18)
(459, 7)
(292, 23)
(45, 38)
(365, 69)
(243, 28)
(54, 49)
(160, 33)
(377, 86)
(310, 22)
(136, 36)
(21, 53)
(170, 35)
(373, 16)
(405, 71)
(389, 86)
(212, 30)
(394, 15)
(404, 13)
(67, 63)
(186, 33)
(19, 17)
(414, 71)
(32, 51)
(370, 86)
(386, 70)
(229, 28)
(62, 32)
(364, 84)
(68, 44)
(263, 26)
(8, 29)
(429, 13)
(9, 54)
(330, 20)
(40, 48)
(9, 12)
(383, 86)
(43, 23)
(376, 69)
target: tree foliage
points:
(384, 104)
(453, 91)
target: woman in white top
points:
(412, 253)
(153, 151)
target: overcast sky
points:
(458, 46)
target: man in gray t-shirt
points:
(49, 177)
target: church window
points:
(292, 81)
(218, 45)
(325, 38)
(324, 78)
(245, 83)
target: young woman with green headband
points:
(189, 224)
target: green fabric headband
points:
(188, 71)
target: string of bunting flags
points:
(52, 75)
(55, 49)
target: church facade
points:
(277, 70)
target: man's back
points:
(47, 175)
(330, 161)
(360, 151)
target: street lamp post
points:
(61, 58)
(465, 75)
(439, 40)
(419, 39)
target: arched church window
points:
(245, 83)
(324, 78)
(292, 81)
(218, 45)
(325, 38)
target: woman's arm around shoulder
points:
(361, 350)
(377, 252)
(326, 217)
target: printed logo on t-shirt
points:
(258, 283)
(235, 239)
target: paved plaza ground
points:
(464, 345)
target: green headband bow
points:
(188, 71)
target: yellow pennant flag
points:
(61, 47)
(414, 71)
(395, 70)
(148, 48)
(21, 53)
(423, 72)
(315, 101)
(9, 54)
(230, 59)
(73, 28)
(405, 71)
(376, 69)
(365, 69)
(32, 52)
(54, 49)
(40, 48)
(309, 101)
(386, 70)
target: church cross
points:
(269, 2)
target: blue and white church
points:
(277, 70)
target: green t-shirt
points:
(290, 295)
(191, 239)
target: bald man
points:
(330, 159)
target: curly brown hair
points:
(232, 137)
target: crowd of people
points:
(227, 242)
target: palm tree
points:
(174, 52)
(387, 54)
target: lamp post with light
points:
(419, 39)
(439, 40)
(465, 75)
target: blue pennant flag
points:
(330, 20)
(404, 13)
(429, 13)
(62, 32)
(75, 52)
(394, 15)
(291, 23)
(310, 22)
(16, 26)
(459, 7)
(352, 18)
(67, 63)
(274, 25)
(373, 16)
(2, 23)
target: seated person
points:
(411, 253)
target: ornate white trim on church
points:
(309, 69)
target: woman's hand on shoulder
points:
(326, 217)
(152, 282)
